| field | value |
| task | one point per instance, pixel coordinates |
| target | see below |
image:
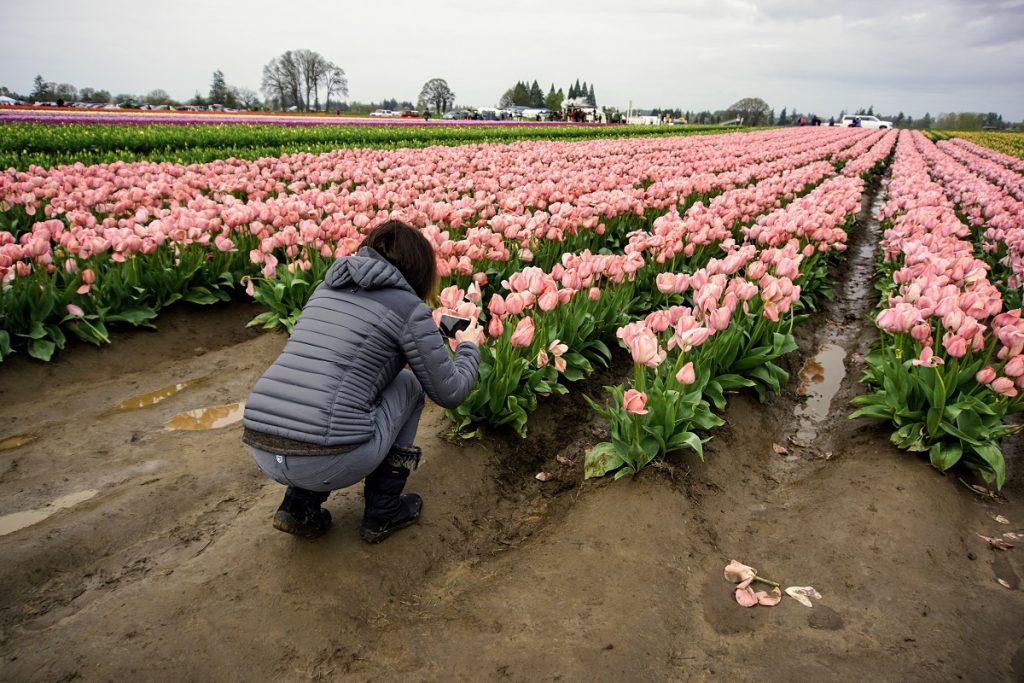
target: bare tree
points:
(296, 77)
(753, 110)
(437, 93)
(336, 83)
(291, 71)
(273, 84)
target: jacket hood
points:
(365, 269)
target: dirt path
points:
(164, 565)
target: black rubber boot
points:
(387, 510)
(300, 513)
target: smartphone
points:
(451, 324)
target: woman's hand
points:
(472, 334)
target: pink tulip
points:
(523, 334)
(451, 296)
(542, 358)
(921, 332)
(928, 358)
(1014, 367)
(985, 375)
(75, 311)
(495, 328)
(514, 304)
(686, 374)
(955, 345)
(633, 401)
(496, 306)
(548, 300)
(645, 349)
(594, 293)
(719, 319)
(1004, 386)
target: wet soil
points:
(150, 555)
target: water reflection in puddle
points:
(153, 397)
(820, 380)
(16, 441)
(213, 417)
(20, 520)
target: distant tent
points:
(7, 101)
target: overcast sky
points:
(818, 56)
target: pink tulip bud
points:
(634, 401)
(686, 374)
(594, 294)
(88, 276)
(985, 375)
(75, 311)
(495, 327)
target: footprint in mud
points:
(825, 619)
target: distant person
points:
(337, 407)
(426, 114)
(832, 121)
(856, 122)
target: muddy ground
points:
(162, 565)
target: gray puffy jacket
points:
(361, 326)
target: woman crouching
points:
(337, 407)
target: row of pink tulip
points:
(1007, 179)
(704, 226)
(949, 365)
(875, 151)
(990, 197)
(1015, 163)
(735, 319)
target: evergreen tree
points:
(591, 97)
(536, 95)
(574, 91)
(218, 88)
(553, 102)
(521, 95)
(38, 88)
(783, 119)
(584, 91)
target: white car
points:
(383, 112)
(865, 121)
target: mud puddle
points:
(212, 417)
(16, 441)
(19, 520)
(154, 397)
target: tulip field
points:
(56, 138)
(696, 255)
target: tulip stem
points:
(768, 581)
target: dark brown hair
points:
(409, 251)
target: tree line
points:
(307, 81)
(523, 95)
